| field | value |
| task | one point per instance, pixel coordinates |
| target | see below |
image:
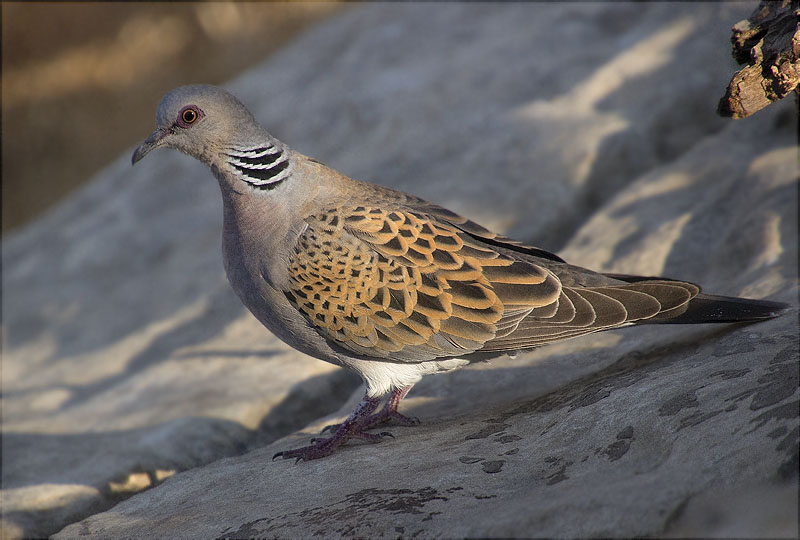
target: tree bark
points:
(769, 42)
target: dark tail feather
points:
(707, 308)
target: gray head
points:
(202, 121)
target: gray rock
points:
(127, 358)
(590, 459)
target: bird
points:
(387, 284)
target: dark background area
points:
(81, 81)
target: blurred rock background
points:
(65, 66)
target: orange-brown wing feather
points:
(401, 284)
(417, 282)
(583, 310)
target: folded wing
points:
(415, 284)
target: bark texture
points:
(769, 43)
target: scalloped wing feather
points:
(400, 283)
(416, 283)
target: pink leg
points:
(352, 427)
(387, 414)
(389, 411)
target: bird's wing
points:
(400, 284)
(588, 301)
(478, 232)
(583, 310)
(411, 285)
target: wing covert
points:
(403, 284)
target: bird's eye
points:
(188, 116)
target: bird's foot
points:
(321, 447)
(353, 427)
(387, 414)
(378, 418)
(395, 418)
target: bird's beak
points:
(154, 140)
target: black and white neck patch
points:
(263, 167)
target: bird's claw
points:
(355, 427)
(329, 427)
(323, 446)
(392, 417)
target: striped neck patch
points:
(263, 167)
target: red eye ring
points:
(188, 116)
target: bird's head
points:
(199, 120)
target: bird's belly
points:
(381, 376)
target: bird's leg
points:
(387, 414)
(389, 411)
(353, 427)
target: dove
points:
(387, 284)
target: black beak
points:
(154, 140)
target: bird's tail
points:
(709, 308)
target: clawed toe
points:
(372, 437)
(403, 420)
(321, 446)
(382, 417)
(360, 420)
(330, 427)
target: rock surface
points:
(584, 128)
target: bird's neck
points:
(253, 226)
(262, 163)
(259, 222)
